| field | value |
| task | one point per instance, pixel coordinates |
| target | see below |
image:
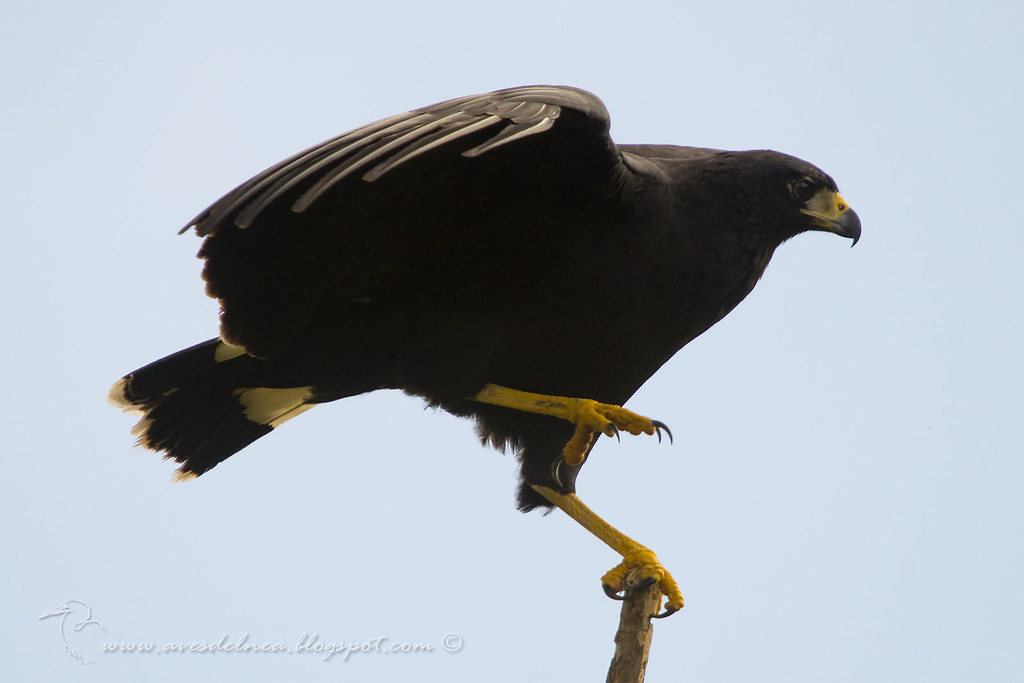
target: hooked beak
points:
(829, 212)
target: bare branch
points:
(633, 639)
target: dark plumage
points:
(501, 238)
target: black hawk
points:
(497, 255)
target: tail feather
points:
(201, 405)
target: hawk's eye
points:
(803, 189)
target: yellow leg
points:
(588, 415)
(634, 556)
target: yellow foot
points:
(639, 568)
(588, 415)
(592, 417)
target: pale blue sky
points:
(842, 500)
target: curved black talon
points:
(658, 426)
(613, 430)
(611, 592)
(669, 611)
(643, 584)
(614, 594)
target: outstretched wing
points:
(346, 218)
